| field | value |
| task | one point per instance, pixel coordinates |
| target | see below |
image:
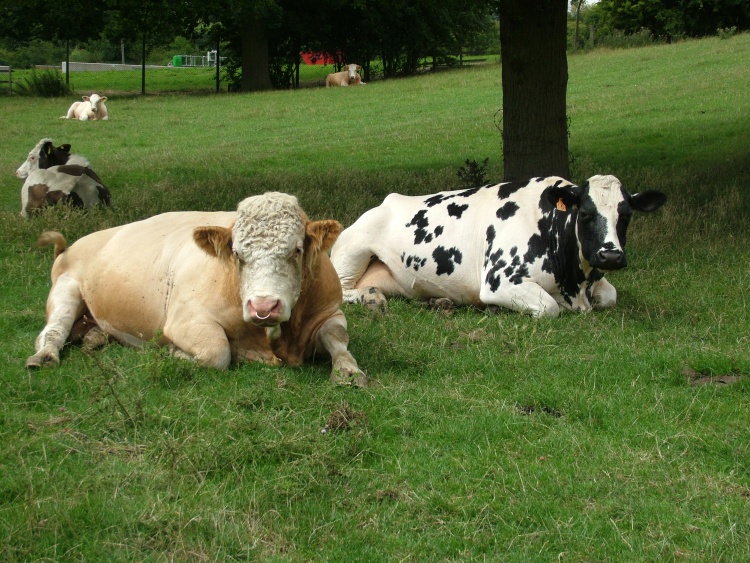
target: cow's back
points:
(132, 277)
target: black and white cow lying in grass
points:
(533, 247)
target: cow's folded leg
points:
(205, 343)
(333, 337)
(94, 339)
(604, 294)
(525, 297)
(65, 305)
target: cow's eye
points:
(240, 261)
(296, 253)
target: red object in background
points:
(317, 58)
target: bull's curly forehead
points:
(271, 220)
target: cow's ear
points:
(323, 234)
(570, 195)
(214, 241)
(64, 148)
(103, 99)
(85, 98)
(47, 148)
(647, 201)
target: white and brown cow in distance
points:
(45, 155)
(91, 108)
(347, 77)
(78, 186)
(217, 287)
(533, 247)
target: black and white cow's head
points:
(604, 209)
(44, 155)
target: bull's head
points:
(352, 70)
(274, 246)
(604, 209)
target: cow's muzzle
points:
(264, 311)
(610, 260)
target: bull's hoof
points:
(374, 300)
(348, 378)
(94, 339)
(42, 361)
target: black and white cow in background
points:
(532, 247)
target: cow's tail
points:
(53, 237)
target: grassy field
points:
(619, 435)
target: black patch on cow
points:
(494, 257)
(420, 221)
(556, 243)
(413, 262)
(104, 196)
(507, 211)
(508, 189)
(74, 199)
(440, 198)
(446, 259)
(456, 210)
(435, 199)
(623, 220)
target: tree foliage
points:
(672, 18)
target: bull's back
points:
(130, 276)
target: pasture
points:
(617, 435)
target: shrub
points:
(46, 84)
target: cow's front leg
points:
(333, 337)
(204, 342)
(525, 297)
(604, 294)
(64, 306)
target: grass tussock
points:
(616, 435)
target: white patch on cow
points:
(606, 193)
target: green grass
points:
(485, 436)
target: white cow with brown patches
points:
(217, 287)
(91, 108)
(72, 184)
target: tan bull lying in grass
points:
(347, 77)
(252, 285)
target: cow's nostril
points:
(611, 256)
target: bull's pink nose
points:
(264, 309)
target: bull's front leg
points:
(333, 337)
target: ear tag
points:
(561, 205)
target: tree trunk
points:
(255, 70)
(533, 37)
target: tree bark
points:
(533, 37)
(255, 70)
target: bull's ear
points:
(323, 234)
(570, 195)
(647, 201)
(214, 241)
